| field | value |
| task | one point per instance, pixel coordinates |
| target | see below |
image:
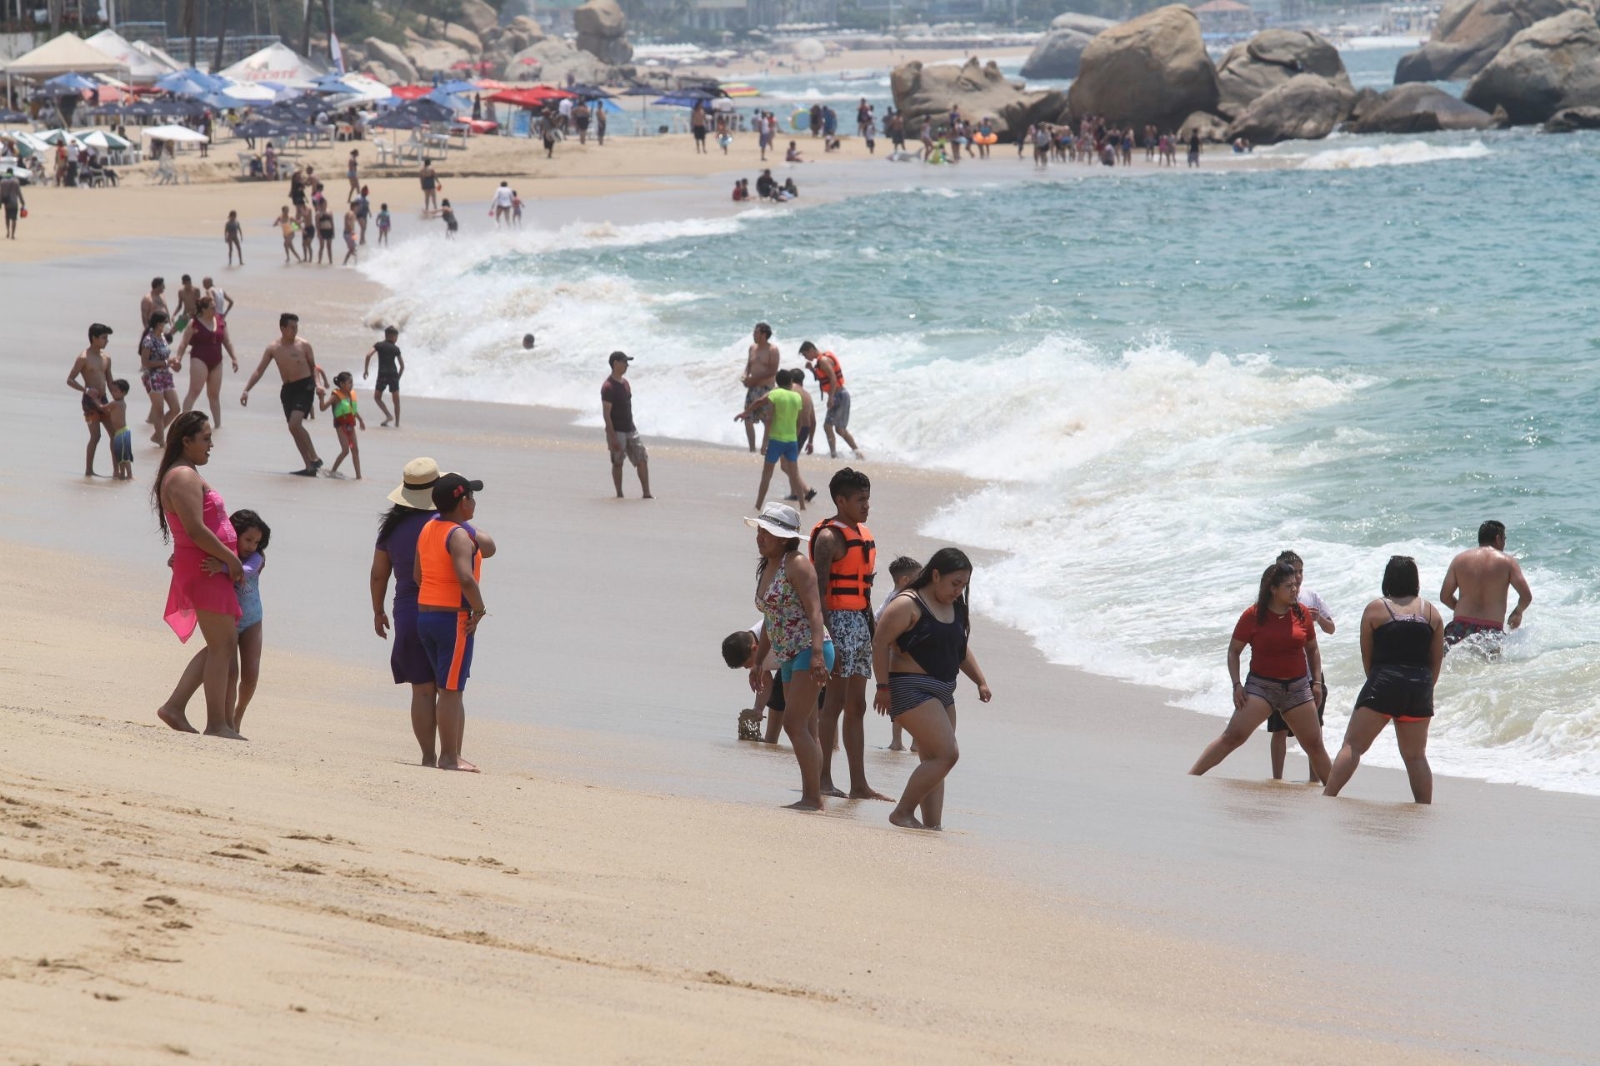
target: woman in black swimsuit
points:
(1402, 649)
(919, 647)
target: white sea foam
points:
(1400, 153)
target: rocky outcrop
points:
(554, 58)
(1056, 55)
(1470, 33)
(1149, 70)
(602, 27)
(1417, 108)
(1366, 99)
(434, 57)
(979, 91)
(1088, 25)
(1304, 108)
(1573, 119)
(477, 16)
(1253, 68)
(391, 57)
(1213, 128)
(1548, 67)
(463, 38)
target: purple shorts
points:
(407, 660)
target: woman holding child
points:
(194, 518)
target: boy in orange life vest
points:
(830, 375)
(450, 554)
(845, 555)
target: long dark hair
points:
(246, 520)
(390, 520)
(1271, 578)
(182, 430)
(948, 561)
(790, 545)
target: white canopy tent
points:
(180, 134)
(276, 63)
(61, 55)
(143, 68)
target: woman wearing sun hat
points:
(395, 554)
(787, 597)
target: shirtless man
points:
(1476, 587)
(430, 188)
(760, 377)
(94, 367)
(297, 366)
(155, 300)
(188, 304)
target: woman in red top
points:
(1282, 636)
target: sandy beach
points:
(620, 885)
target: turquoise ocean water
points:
(1165, 379)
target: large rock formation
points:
(1418, 108)
(929, 92)
(1470, 32)
(553, 59)
(391, 57)
(1056, 55)
(1573, 119)
(601, 26)
(1548, 67)
(1212, 128)
(1152, 69)
(477, 16)
(434, 57)
(1088, 25)
(1304, 108)
(1253, 68)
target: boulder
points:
(1418, 108)
(1212, 128)
(477, 16)
(553, 59)
(460, 35)
(1304, 108)
(1056, 55)
(1572, 119)
(1150, 70)
(392, 57)
(929, 93)
(600, 18)
(526, 26)
(1548, 67)
(1255, 67)
(1470, 33)
(613, 51)
(435, 57)
(1367, 98)
(1088, 25)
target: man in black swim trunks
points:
(391, 364)
(297, 366)
(1476, 588)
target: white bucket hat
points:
(779, 519)
(416, 485)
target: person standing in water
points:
(760, 373)
(830, 377)
(787, 597)
(391, 365)
(1402, 652)
(846, 560)
(205, 339)
(1284, 657)
(921, 645)
(1476, 588)
(1324, 620)
(783, 437)
(297, 366)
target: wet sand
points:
(1088, 902)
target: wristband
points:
(882, 686)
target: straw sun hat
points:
(416, 485)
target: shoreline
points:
(1099, 838)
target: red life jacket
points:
(848, 584)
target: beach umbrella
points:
(181, 134)
(685, 98)
(589, 92)
(192, 82)
(457, 86)
(55, 137)
(430, 110)
(7, 115)
(400, 118)
(104, 140)
(71, 83)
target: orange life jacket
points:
(838, 372)
(848, 584)
(439, 586)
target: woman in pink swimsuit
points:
(204, 567)
(206, 337)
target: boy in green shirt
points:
(783, 437)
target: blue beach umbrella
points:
(71, 83)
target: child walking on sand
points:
(233, 234)
(383, 224)
(116, 414)
(903, 570)
(346, 418)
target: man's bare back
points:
(1477, 586)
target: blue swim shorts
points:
(779, 450)
(802, 662)
(448, 646)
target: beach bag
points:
(23, 212)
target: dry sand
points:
(620, 885)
